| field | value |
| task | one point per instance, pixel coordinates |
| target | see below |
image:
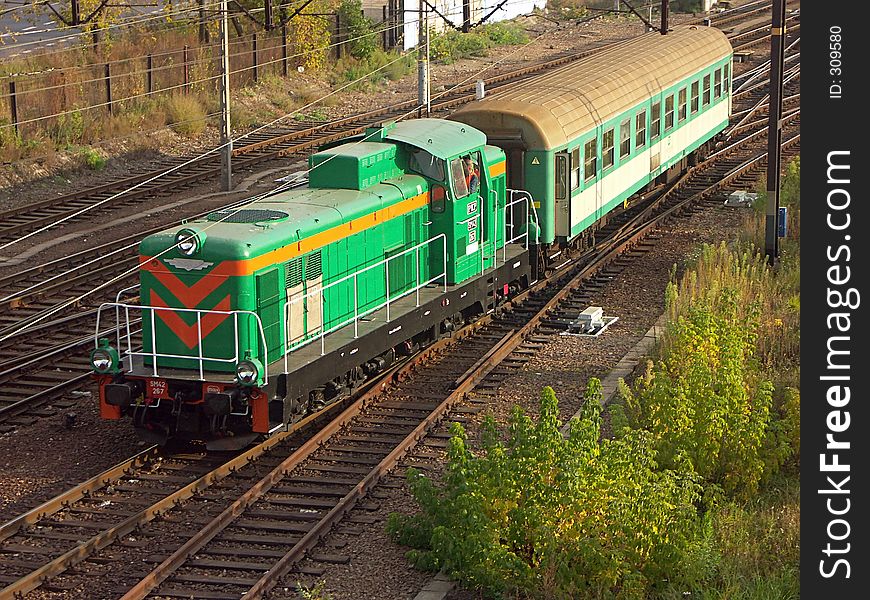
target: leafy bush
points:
(702, 402)
(709, 397)
(361, 39)
(378, 67)
(453, 45)
(555, 517)
(68, 129)
(92, 158)
(505, 33)
(186, 113)
(567, 9)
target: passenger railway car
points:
(253, 316)
(585, 137)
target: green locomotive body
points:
(230, 301)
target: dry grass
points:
(186, 114)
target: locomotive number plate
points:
(158, 388)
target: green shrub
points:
(92, 158)
(567, 9)
(505, 33)
(373, 70)
(186, 114)
(68, 129)
(548, 516)
(362, 41)
(703, 401)
(453, 45)
(9, 138)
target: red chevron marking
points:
(188, 333)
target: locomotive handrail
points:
(531, 211)
(200, 358)
(290, 347)
(118, 321)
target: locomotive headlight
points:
(188, 241)
(248, 371)
(104, 358)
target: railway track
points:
(251, 525)
(177, 174)
(38, 370)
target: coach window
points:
(717, 85)
(561, 176)
(575, 168)
(669, 112)
(655, 121)
(725, 81)
(694, 97)
(681, 114)
(640, 129)
(590, 159)
(624, 138)
(706, 89)
(607, 149)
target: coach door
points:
(562, 194)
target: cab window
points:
(465, 173)
(457, 177)
(427, 165)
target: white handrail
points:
(200, 357)
(522, 196)
(357, 315)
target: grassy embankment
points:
(696, 494)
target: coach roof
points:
(556, 108)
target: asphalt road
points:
(34, 33)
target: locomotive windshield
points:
(427, 165)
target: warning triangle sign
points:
(535, 161)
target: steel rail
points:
(81, 552)
(63, 500)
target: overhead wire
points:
(284, 186)
(174, 87)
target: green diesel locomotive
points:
(253, 316)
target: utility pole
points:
(226, 134)
(423, 96)
(774, 132)
(664, 27)
(203, 30)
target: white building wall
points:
(452, 11)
